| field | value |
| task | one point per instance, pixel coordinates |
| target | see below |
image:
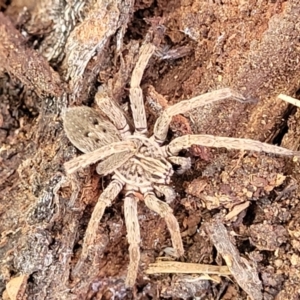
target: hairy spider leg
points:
(133, 237)
(104, 200)
(136, 93)
(187, 141)
(161, 125)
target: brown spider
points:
(140, 164)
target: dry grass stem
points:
(186, 268)
(289, 99)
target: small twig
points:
(244, 273)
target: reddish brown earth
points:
(251, 46)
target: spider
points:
(140, 164)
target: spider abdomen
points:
(88, 130)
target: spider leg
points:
(113, 162)
(167, 191)
(136, 93)
(112, 111)
(87, 159)
(165, 211)
(187, 141)
(162, 124)
(104, 200)
(133, 236)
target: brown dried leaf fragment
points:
(244, 273)
(26, 64)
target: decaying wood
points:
(104, 19)
(245, 274)
(24, 63)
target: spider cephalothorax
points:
(140, 163)
(147, 167)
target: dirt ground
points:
(55, 54)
